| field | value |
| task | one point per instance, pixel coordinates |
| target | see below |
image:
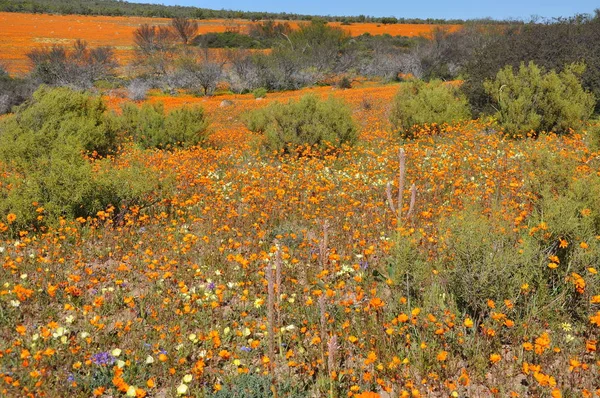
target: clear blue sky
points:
(462, 9)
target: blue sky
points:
(463, 9)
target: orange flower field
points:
(295, 270)
(22, 33)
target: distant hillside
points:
(123, 8)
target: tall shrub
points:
(151, 127)
(46, 175)
(419, 103)
(533, 100)
(307, 122)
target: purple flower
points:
(246, 349)
(103, 358)
(211, 286)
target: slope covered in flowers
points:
(21, 33)
(175, 300)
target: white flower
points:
(149, 359)
(59, 332)
(131, 391)
(116, 352)
(187, 378)
(182, 389)
(15, 303)
(120, 364)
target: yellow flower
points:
(468, 323)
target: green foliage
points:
(151, 127)
(552, 45)
(260, 92)
(593, 137)
(534, 100)
(307, 122)
(419, 103)
(55, 115)
(227, 40)
(484, 265)
(256, 386)
(42, 149)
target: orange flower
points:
(595, 319)
(442, 356)
(368, 394)
(376, 303)
(495, 358)
(11, 218)
(542, 343)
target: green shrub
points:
(151, 127)
(593, 137)
(256, 386)
(433, 103)
(260, 92)
(484, 265)
(47, 176)
(307, 122)
(534, 100)
(58, 114)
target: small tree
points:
(79, 66)
(155, 46)
(534, 100)
(307, 122)
(419, 103)
(185, 28)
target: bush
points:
(137, 90)
(307, 122)
(594, 137)
(47, 176)
(419, 103)
(79, 66)
(552, 44)
(151, 127)
(58, 114)
(13, 91)
(260, 93)
(533, 100)
(484, 265)
(344, 83)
